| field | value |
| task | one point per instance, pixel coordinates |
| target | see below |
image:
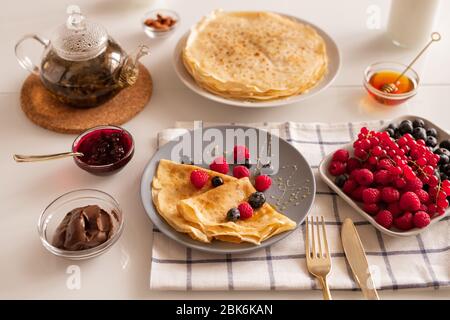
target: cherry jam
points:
(105, 149)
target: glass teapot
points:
(81, 64)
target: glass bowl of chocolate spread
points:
(81, 224)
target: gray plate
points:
(296, 210)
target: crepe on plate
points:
(202, 213)
(209, 210)
(254, 55)
(171, 184)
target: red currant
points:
(433, 181)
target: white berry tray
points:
(329, 180)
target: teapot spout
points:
(130, 71)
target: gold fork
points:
(317, 254)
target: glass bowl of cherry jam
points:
(106, 149)
(378, 74)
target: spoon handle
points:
(435, 36)
(44, 157)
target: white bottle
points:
(412, 21)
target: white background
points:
(27, 270)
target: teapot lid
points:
(79, 39)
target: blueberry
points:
(446, 169)
(247, 163)
(340, 180)
(432, 132)
(445, 144)
(216, 181)
(431, 141)
(406, 126)
(440, 151)
(443, 159)
(256, 200)
(419, 133)
(443, 176)
(391, 132)
(392, 126)
(397, 134)
(233, 214)
(418, 123)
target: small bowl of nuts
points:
(160, 23)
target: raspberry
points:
(353, 164)
(354, 174)
(370, 195)
(241, 172)
(382, 177)
(245, 210)
(199, 178)
(357, 193)
(367, 165)
(404, 222)
(341, 155)
(384, 164)
(364, 177)
(263, 182)
(409, 201)
(336, 168)
(371, 208)
(424, 197)
(389, 194)
(399, 183)
(240, 153)
(421, 219)
(395, 171)
(219, 165)
(384, 218)
(394, 208)
(349, 186)
(360, 153)
(413, 185)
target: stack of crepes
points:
(201, 213)
(254, 55)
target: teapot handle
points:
(24, 60)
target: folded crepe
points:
(171, 184)
(208, 213)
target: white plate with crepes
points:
(334, 62)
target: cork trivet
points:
(46, 111)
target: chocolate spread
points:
(85, 228)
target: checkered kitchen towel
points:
(397, 263)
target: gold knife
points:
(356, 257)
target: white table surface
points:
(27, 270)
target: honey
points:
(403, 85)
